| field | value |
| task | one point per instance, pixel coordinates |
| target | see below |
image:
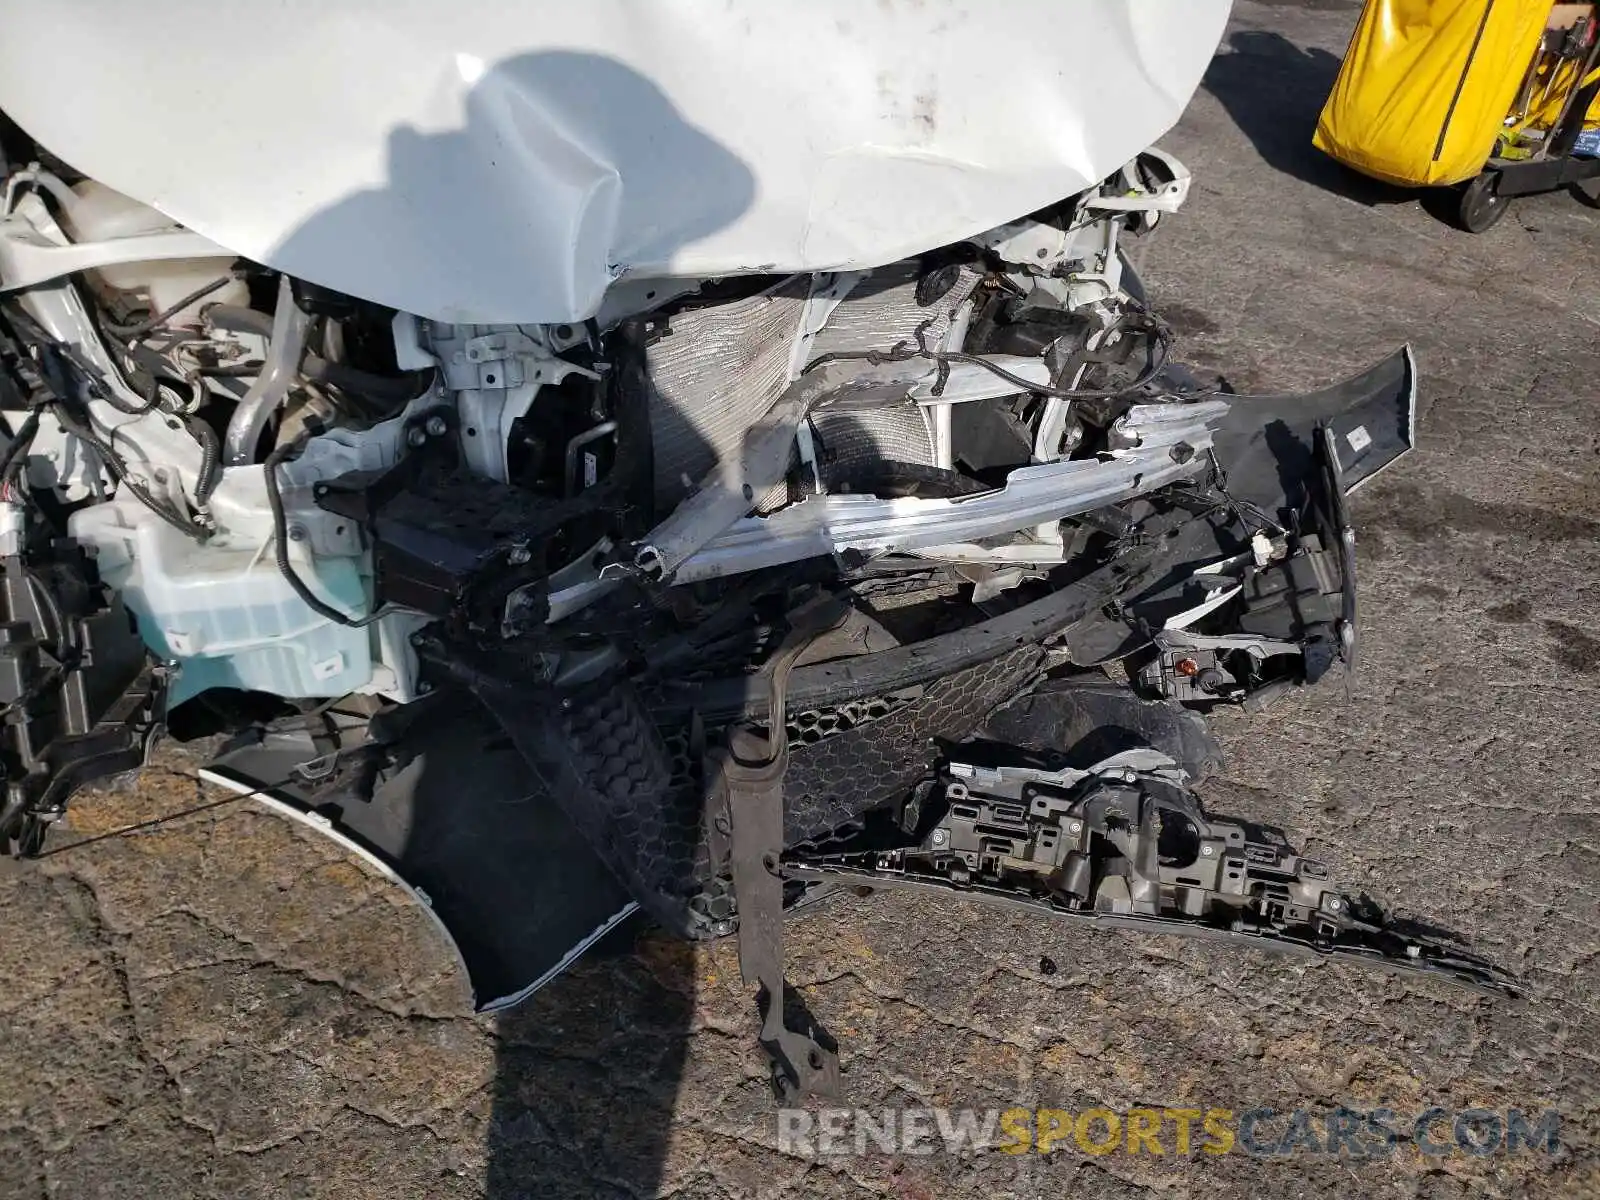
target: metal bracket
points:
(496, 372)
(746, 804)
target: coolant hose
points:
(389, 389)
(290, 323)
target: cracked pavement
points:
(228, 1005)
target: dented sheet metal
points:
(420, 149)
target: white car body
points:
(480, 162)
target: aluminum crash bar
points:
(1159, 445)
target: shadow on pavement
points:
(1274, 90)
(565, 163)
(592, 1003)
(587, 1074)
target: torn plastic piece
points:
(1127, 844)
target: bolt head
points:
(940, 837)
(416, 437)
(436, 426)
(1335, 904)
(1208, 851)
(1075, 827)
(297, 533)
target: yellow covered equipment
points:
(1426, 85)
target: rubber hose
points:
(290, 324)
(405, 386)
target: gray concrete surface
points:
(226, 1006)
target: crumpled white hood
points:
(486, 161)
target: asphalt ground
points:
(227, 1005)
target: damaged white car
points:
(664, 459)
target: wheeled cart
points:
(1491, 98)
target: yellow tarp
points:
(1426, 85)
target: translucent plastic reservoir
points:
(228, 617)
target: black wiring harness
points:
(280, 543)
(903, 350)
(46, 385)
(118, 467)
(50, 385)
